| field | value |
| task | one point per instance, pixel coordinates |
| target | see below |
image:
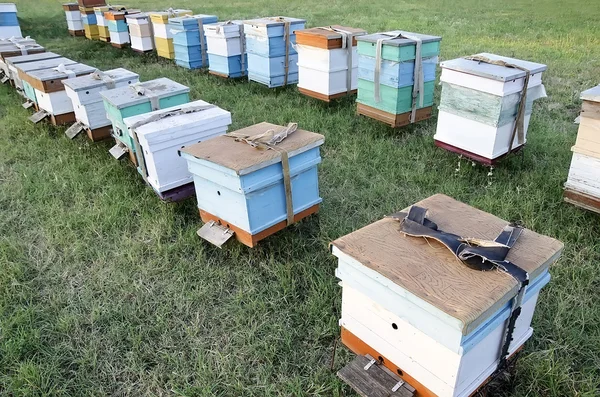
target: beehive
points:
(226, 48)
(103, 31)
(163, 38)
(272, 59)
(50, 93)
(117, 27)
(90, 23)
(327, 61)
(160, 134)
(17, 47)
(583, 184)
(140, 32)
(24, 68)
(480, 102)
(88, 106)
(138, 99)
(9, 23)
(12, 62)
(73, 16)
(189, 42)
(244, 188)
(390, 77)
(426, 315)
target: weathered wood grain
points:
(377, 381)
(324, 38)
(428, 270)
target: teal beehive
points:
(397, 76)
(136, 99)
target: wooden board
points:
(426, 269)
(376, 381)
(99, 134)
(224, 75)
(252, 239)
(124, 45)
(394, 120)
(475, 157)
(239, 156)
(63, 119)
(324, 38)
(76, 33)
(70, 7)
(323, 97)
(582, 200)
(590, 110)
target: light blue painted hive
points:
(186, 39)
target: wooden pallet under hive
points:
(393, 120)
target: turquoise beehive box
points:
(393, 68)
(243, 188)
(272, 59)
(189, 41)
(140, 98)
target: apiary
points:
(189, 41)
(272, 59)
(328, 61)
(254, 182)
(396, 76)
(163, 38)
(88, 106)
(136, 99)
(481, 116)
(441, 309)
(226, 48)
(159, 135)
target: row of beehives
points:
(443, 329)
(254, 182)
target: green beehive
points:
(141, 98)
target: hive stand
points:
(475, 157)
(393, 120)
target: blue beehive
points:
(243, 187)
(189, 41)
(226, 49)
(9, 23)
(272, 59)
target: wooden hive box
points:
(225, 45)
(163, 38)
(397, 77)
(267, 46)
(24, 68)
(9, 23)
(189, 43)
(17, 49)
(88, 105)
(50, 92)
(12, 62)
(583, 184)
(479, 105)
(73, 16)
(327, 61)
(140, 98)
(140, 32)
(243, 188)
(159, 135)
(117, 27)
(429, 317)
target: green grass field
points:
(105, 290)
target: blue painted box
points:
(228, 66)
(89, 19)
(243, 186)
(271, 38)
(189, 41)
(140, 98)
(117, 26)
(8, 19)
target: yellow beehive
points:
(104, 33)
(91, 32)
(165, 47)
(162, 17)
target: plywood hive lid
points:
(243, 158)
(273, 21)
(591, 95)
(71, 6)
(54, 74)
(429, 271)
(490, 71)
(162, 17)
(399, 42)
(191, 21)
(325, 38)
(127, 96)
(43, 64)
(89, 81)
(8, 52)
(31, 58)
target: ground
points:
(106, 290)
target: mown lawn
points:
(105, 290)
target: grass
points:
(106, 290)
